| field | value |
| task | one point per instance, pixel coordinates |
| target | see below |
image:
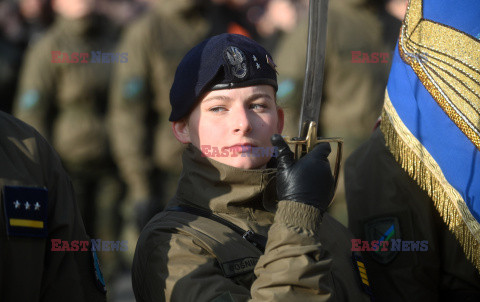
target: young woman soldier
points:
(243, 225)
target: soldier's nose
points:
(242, 123)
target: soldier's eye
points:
(217, 109)
(257, 106)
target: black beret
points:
(220, 62)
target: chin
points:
(248, 163)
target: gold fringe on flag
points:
(420, 165)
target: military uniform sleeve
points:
(129, 107)
(378, 191)
(380, 194)
(294, 267)
(30, 269)
(36, 91)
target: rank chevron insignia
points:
(431, 113)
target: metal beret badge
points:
(236, 61)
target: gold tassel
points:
(416, 169)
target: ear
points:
(281, 120)
(181, 132)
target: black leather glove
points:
(308, 180)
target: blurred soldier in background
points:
(21, 23)
(35, 17)
(290, 51)
(37, 205)
(354, 88)
(122, 12)
(63, 93)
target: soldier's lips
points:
(240, 148)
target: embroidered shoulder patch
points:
(239, 266)
(133, 88)
(26, 211)
(383, 229)
(29, 99)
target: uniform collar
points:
(220, 188)
(77, 27)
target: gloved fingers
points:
(285, 156)
(320, 151)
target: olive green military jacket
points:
(185, 257)
(380, 195)
(63, 88)
(139, 106)
(37, 205)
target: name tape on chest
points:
(239, 266)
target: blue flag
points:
(431, 114)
